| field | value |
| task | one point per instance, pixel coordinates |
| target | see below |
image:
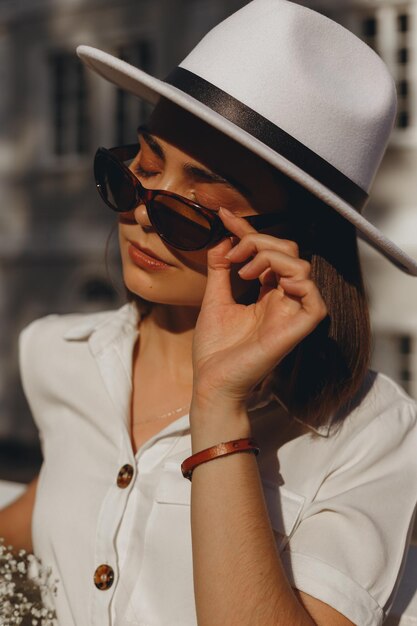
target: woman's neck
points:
(166, 336)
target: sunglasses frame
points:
(118, 155)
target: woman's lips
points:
(143, 258)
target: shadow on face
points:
(220, 154)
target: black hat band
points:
(268, 133)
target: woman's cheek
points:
(195, 260)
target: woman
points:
(258, 339)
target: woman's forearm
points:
(238, 576)
(16, 520)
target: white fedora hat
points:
(295, 88)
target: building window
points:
(69, 105)
(369, 27)
(403, 23)
(131, 111)
(405, 345)
(403, 120)
(403, 88)
(404, 116)
(369, 31)
(403, 56)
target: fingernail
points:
(232, 251)
(246, 268)
(226, 212)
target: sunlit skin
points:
(166, 335)
(184, 284)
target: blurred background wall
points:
(53, 116)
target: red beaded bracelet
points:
(221, 449)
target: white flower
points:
(24, 582)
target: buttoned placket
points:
(102, 344)
(112, 347)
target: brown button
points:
(124, 476)
(103, 577)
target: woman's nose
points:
(140, 214)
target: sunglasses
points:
(180, 222)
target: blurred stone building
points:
(53, 116)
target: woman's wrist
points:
(210, 399)
(217, 420)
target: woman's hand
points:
(235, 346)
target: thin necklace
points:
(160, 417)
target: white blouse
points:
(341, 505)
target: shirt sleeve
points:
(33, 355)
(350, 547)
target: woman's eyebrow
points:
(193, 171)
(156, 147)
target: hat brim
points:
(143, 85)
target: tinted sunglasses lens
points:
(113, 184)
(179, 224)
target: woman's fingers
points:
(268, 281)
(275, 263)
(306, 290)
(258, 245)
(252, 243)
(218, 287)
(286, 261)
(235, 224)
(279, 262)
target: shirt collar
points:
(105, 326)
(126, 317)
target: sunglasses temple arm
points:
(257, 221)
(268, 219)
(219, 231)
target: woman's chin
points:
(171, 293)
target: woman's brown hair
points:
(324, 376)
